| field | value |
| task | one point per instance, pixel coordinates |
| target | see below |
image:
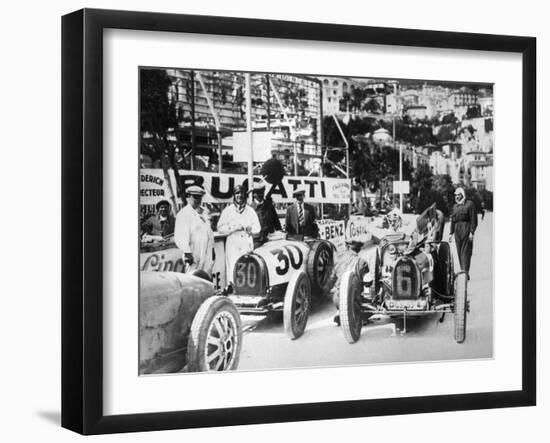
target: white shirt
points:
(193, 234)
(231, 219)
(239, 227)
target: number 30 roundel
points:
(288, 256)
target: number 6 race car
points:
(411, 279)
(281, 275)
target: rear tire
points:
(320, 261)
(461, 285)
(296, 305)
(216, 337)
(350, 306)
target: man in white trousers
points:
(240, 223)
(193, 233)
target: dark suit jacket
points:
(269, 220)
(310, 227)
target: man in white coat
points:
(240, 223)
(193, 233)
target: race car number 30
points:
(288, 256)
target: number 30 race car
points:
(281, 275)
(411, 279)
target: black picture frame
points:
(82, 216)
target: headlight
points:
(392, 249)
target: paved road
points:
(265, 345)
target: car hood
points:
(165, 294)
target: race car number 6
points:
(287, 258)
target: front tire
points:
(216, 336)
(461, 285)
(447, 269)
(350, 306)
(296, 305)
(377, 274)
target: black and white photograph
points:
(305, 220)
(275, 222)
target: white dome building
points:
(382, 137)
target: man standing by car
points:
(300, 217)
(463, 226)
(267, 215)
(193, 233)
(160, 225)
(239, 222)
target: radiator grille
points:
(406, 279)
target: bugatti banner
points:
(219, 187)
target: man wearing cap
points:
(240, 223)
(300, 217)
(267, 215)
(193, 233)
(160, 225)
(463, 226)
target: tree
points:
(421, 178)
(474, 195)
(449, 119)
(487, 198)
(473, 112)
(358, 95)
(446, 133)
(360, 157)
(157, 112)
(372, 106)
(344, 102)
(418, 134)
(444, 186)
(157, 115)
(371, 164)
(333, 139)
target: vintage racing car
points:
(412, 277)
(282, 275)
(184, 326)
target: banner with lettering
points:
(170, 258)
(358, 228)
(219, 187)
(334, 231)
(153, 186)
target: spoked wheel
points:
(215, 339)
(320, 261)
(350, 306)
(296, 305)
(461, 285)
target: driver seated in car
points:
(394, 224)
(350, 259)
(395, 221)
